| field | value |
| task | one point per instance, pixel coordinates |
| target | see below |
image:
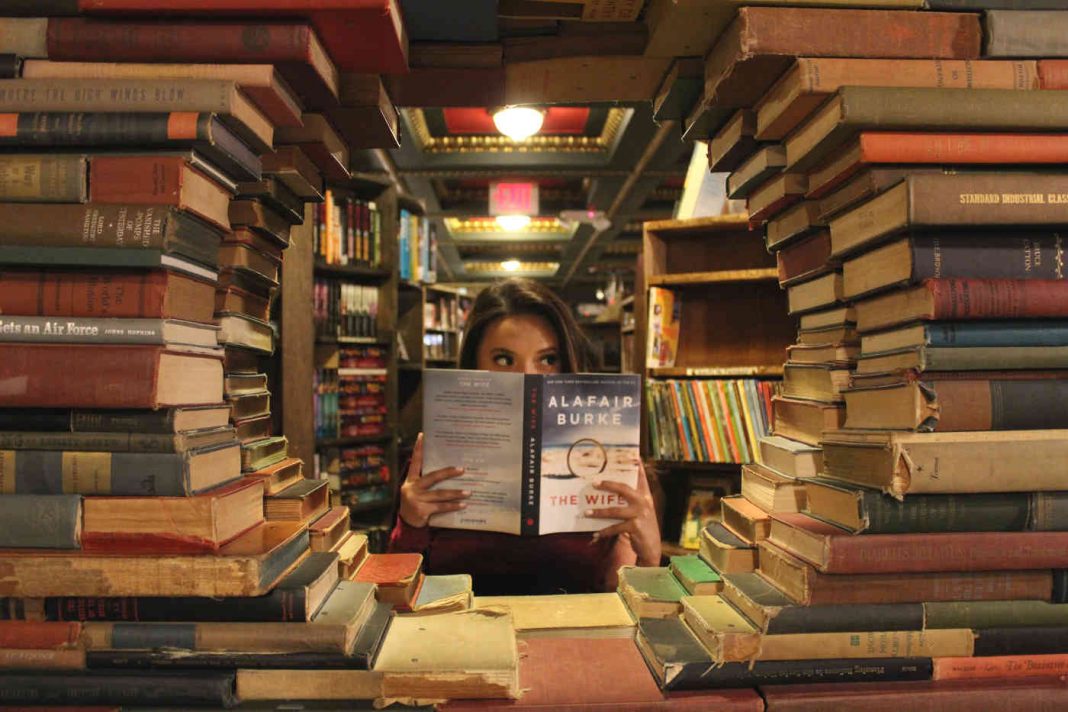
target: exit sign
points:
(513, 198)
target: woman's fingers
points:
(613, 513)
(612, 530)
(443, 507)
(415, 467)
(628, 493)
(448, 495)
(430, 479)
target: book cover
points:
(532, 446)
(664, 312)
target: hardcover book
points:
(664, 312)
(532, 446)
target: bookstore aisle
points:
(235, 235)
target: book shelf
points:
(627, 328)
(339, 320)
(732, 325)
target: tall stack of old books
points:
(157, 545)
(910, 528)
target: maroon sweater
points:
(504, 564)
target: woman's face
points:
(522, 343)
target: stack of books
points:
(906, 514)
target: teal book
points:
(440, 594)
(697, 577)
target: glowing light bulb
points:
(513, 223)
(510, 265)
(518, 122)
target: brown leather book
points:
(942, 695)
(321, 143)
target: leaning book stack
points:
(908, 514)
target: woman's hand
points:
(638, 515)
(417, 501)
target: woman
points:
(521, 326)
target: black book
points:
(775, 613)
(10, 66)
(679, 662)
(127, 131)
(38, 8)
(1021, 641)
(101, 687)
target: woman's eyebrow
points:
(549, 350)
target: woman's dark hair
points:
(515, 296)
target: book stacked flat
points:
(914, 206)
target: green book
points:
(697, 577)
(995, 614)
(651, 591)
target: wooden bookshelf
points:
(733, 325)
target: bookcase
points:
(341, 301)
(627, 324)
(733, 330)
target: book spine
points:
(781, 672)
(119, 421)
(185, 660)
(1001, 404)
(840, 619)
(1053, 73)
(53, 472)
(142, 688)
(102, 294)
(123, 226)
(103, 128)
(75, 330)
(995, 614)
(107, 95)
(137, 179)
(1004, 666)
(1003, 512)
(43, 179)
(26, 659)
(1000, 148)
(39, 635)
(141, 442)
(79, 376)
(36, 521)
(997, 298)
(531, 504)
(1049, 511)
(993, 198)
(996, 333)
(94, 40)
(1025, 34)
(1024, 255)
(278, 606)
(952, 551)
(1020, 641)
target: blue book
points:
(969, 334)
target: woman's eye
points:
(502, 360)
(550, 359)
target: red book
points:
(960, 299)
(99, 376)
(919, 696)
(294, 49)
(398, 577)
(835, 551)
(39, 635)
(806, 258)
(877, 147)
(1001, 666)
(158, 180)
(1053, 73)
(365, 36)
(141, 294)
(556, 674)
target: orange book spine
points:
(905, 147)
(1053, 73)
(728, 427)
(39, 635)
(1001, 666)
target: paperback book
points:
(532, 446)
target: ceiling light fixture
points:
(513, 223)
(518, 122)
(510, 265)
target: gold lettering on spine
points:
(87, 472)
(7, 471)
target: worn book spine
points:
(76, 330)
(1002, 512)
(998, 298)
(987, 199)
(1053, 73)
(133, 95)
(199, 689)
(1027, 615)
(1005, 255)
(125, 226)
(85, 39)
(874, 617)
(1021, 641)
(80, 376)
(104, 128)
(43, 179)
(134, 441)
(180, 659)
(31, 659)
(1025, 33)
(996, 333)
(949, 551)
(808, 257)
(39, 635)
(704, 676)
(53, 472)
(814, 78)
(1001, 666)
(81, 294)
(279, 605)
(32, 521)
